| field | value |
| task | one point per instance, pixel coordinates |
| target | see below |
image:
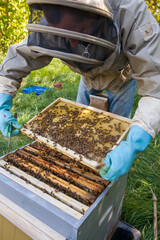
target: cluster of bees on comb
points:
(86, 132)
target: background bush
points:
(154, 7)
(13, 19)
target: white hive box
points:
(52, 185)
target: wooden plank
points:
(76, 166)
(66, 203)
(30, 225)
(65, 174)
(19, 235)
(45, 176)
(1, 220)
(8, 230)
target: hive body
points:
(52, 184)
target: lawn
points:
(144, 174)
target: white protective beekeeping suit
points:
(127, 46)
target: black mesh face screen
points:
(88, 36)
(83, 22)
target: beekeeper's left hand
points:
(6, 116)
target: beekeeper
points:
(113, 44)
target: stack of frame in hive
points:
(57, 172)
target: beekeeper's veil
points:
(93, 30)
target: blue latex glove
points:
(6, 116)
(118, 161)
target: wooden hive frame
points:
(91, 163)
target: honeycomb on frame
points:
(84, 133)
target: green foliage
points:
(13, 19)
(154, 7)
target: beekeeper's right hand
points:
(6, 116)
(119, 160)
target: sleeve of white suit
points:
(141, 43)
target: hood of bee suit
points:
(95, 46)
(101, 7)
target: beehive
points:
(52, 185)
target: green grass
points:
(145, 172)
(138, 203)
(28, 105)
